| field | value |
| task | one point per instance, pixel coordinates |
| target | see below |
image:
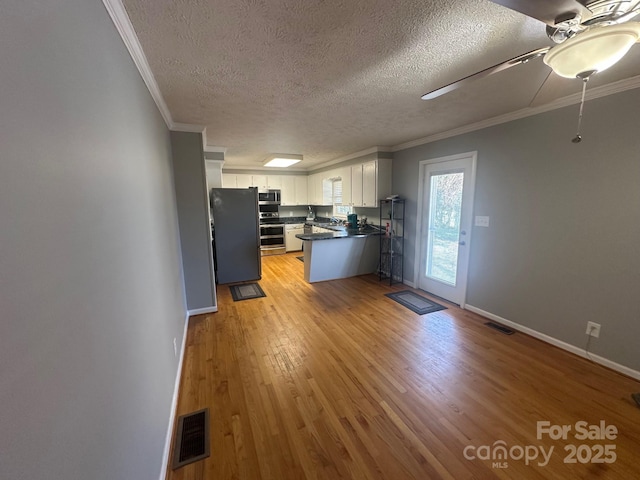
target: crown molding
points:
(602, 91)
(212, 149)
(123, 25)
(351, 156)
(186, 127)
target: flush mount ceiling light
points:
(282, 161)
(592, 51)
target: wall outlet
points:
(175, 346)
(593, 329)
(482, 221)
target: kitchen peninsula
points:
(340, 253)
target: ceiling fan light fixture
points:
(594, 50)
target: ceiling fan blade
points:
(486, 72)
(545, 93)
(547, 11)
(628, 16)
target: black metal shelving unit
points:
(392, 241)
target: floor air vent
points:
(500, 328)
(192, 438)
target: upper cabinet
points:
(356, 185)
(314, 186)
(301, 190)
(260, 181)
(274, 182)
(229, 181)
(363, 184)
(293, 189)
(370, 184)
(319, 191)
(370, 181)
(242, 180)
(288, 190)
(267, 182)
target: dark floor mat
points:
(415, 302)
(246, 291)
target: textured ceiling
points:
(326, 79)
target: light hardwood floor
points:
(336, 381)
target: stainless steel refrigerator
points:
(237, 234)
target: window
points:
(339, 210)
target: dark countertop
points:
(348, 233)
(287, 220)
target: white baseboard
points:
(409, 284)
(557, 343)
(201, 311)
(174, 404)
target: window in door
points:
(444, 226)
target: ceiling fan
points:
(590, 36)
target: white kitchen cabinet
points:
(293, 189)
(369, 184)
(260, 181)
(356, 185)
(274, 182)
(292, 243)
(317, 189)
(229, 180)
(244, 180)
(314, 186)
(311, 190)
(320, 186)
(288, 190)
(266, 182)
(370, 181)
(301, 197)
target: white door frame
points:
(421, 202)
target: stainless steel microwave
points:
(268, 197)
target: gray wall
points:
(91, 293)
(563, 246)
(193, 214)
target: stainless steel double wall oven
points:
(271, 228)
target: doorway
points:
(445, 209)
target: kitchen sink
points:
(332, 226)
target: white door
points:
(447, 186)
